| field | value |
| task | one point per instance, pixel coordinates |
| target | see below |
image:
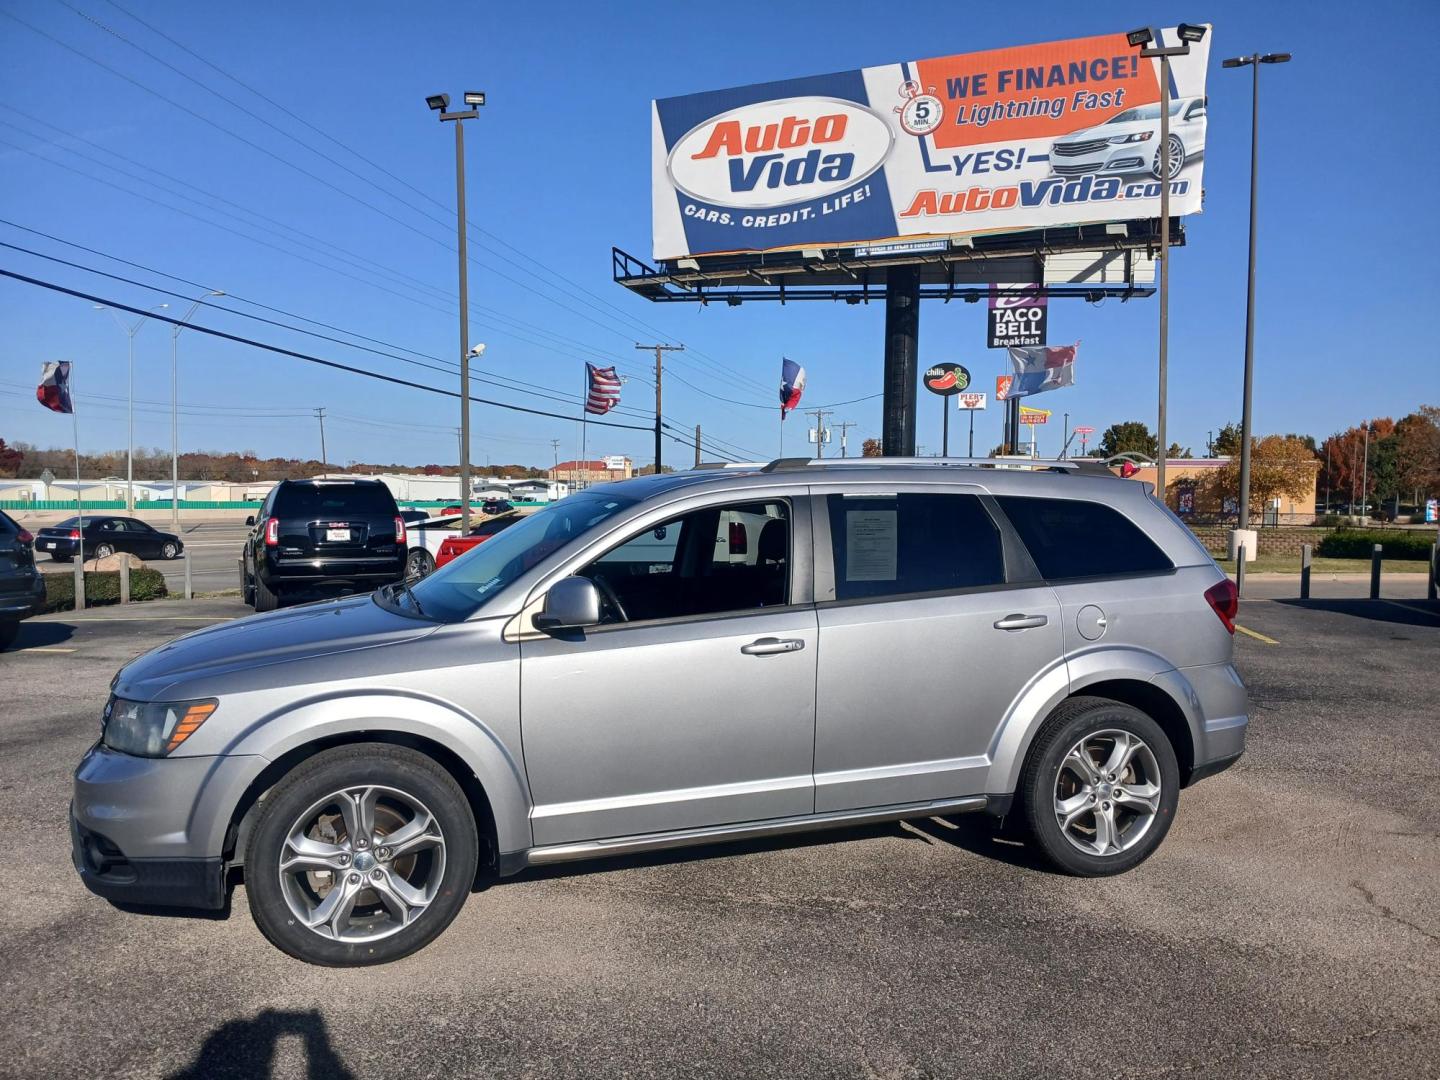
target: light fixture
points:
(1191, 34)
(474, 97)
(1235, 62)
(733, 301)
(1143, 36)
(438, 101)
(1276, 58)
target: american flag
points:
(603, 392)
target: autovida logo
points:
(777, 153)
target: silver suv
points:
(673, 660)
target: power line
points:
(53, 287)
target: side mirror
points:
(250, 520)
(571, 603)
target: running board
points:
(714, 834)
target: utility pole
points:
(555, 449)
(1365, 478)
(660, 351)
(324, 460)
(819, 415)
(697, 446)
(441, 103)
(845, 426)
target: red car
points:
(453, 546)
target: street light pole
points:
(130, 332)
(1252, 61)
(1146, 40)
(175, 407)
(441, 103)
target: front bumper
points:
(1118, 160)
(153, 830)
(179, 883)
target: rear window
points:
(1069, 538)
(327, 500)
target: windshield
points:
(1145, 112)
(458, 589)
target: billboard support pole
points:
(945, 427)
(972, 431)
(902, 337)
(1164, 272)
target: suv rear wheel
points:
(1099, 788)
(266, 599)
(363, 854)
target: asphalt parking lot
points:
(1289, 926)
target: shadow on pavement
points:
(1403, 612)
(245, 1049)
(981, 834)
(36, 635)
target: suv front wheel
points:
(362, 855)
(1099, 788)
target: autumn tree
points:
(11, 459)
(1281, 466)
(1417, 453)
(871, 448)
(1342, 458)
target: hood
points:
(310, 632)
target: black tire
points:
(102, 551)
(247, 590)
(169, 550)
(1067, 726)
(399, 768)
(9, 631)
(419, 563)
(265, 598)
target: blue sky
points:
(559, 169)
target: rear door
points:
(932, 622)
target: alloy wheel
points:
(1107, 792)
(362, 863)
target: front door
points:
(929, 630)
(693, 703)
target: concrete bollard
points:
(1240, 571)
(1305, 551)
(125, 579)
(189, 584)
(1375, 572)
(79, 583)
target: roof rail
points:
(706, 465)
(1052, 464)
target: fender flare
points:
(1077, 672)
(397, 712)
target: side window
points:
(893, 545)
(1070, 538)
(707, 562)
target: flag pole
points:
(79, 506)
(584, 425)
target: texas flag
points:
(1041, 367)
(792, 385)
(54, 389)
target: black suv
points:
(344, 535)
(22, 587)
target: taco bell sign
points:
(1016, 320)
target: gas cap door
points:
(1090, 622)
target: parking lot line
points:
(1256, 635)
(42, 648)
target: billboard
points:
(1062, 133)
(1016, 320)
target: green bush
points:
(102, 588)
(1356, 543)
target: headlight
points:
(152, 728)
(1139, 136)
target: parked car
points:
(623, 671)
(22, 587)
(338, 535)
(1129, 142)
(496, 506)
(414, 517)
(424, 539)
(454, 546)
(105, 536)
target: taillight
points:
(74, 534)
(399, 529)
(739, 541)
(1224, 599)
(272, 531)
(26, 537)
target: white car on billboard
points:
(1129, 142)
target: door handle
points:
(767, 645)
(1020, 622)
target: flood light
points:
(1190, 33)
(474, 97)
(1143, 36)
(438, 102)
(1235, 61)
